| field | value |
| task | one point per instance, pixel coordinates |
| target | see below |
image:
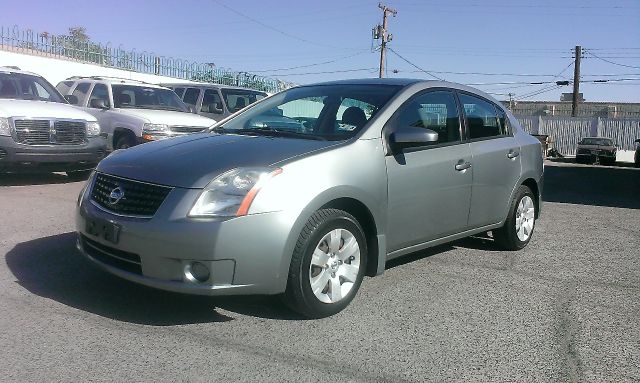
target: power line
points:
(272, 28)
(610, 62)
(414, 65)
(310, 65)
(328, 72)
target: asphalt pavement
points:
(566, 308)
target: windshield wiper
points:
(273, 132)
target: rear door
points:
(496, 159)
(429, 187)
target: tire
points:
(515, 234)
(79, 175)
(340, 264)
(124, 141)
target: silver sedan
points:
(307, 191)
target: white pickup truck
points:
(40, 131)
(132, 112)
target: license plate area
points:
(109, 231)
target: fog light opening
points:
(197, 272)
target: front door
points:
(429, 186)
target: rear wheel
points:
(517, 230)
(328, 264)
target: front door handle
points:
(513, 154)
(460, 166)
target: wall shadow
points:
(592, 185)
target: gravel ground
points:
(566, 308)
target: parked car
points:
(133, 112)
(40, 131)
(215, 101)
(388, 167)
(601, 149)
(636, 157)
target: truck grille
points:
(138, 198)
(49, 132)
(187, 129)
(113, 257)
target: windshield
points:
(328, 112)
(21, 86)
(597, 141)
(236, 99)
(141, 97)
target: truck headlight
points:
(5, 129)
(155, 131)
(231, 194)
(93, 128)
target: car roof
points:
(115, 81)
(207, 85)
(8, 69)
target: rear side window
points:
(191, 96)
(81, 91)
(481, 117)
(436, 110)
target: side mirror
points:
(98, 103)
(410, 136)
(71, 99)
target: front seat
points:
(123, 99)
(240, 103)
(354, 116)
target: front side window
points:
(99, 92)
(191, 96)
(142, 97)
(179, 91)
(211, 102)
(27, 87)
(81, 91)
(481, 117)
(435, 110)
(237, 99)
(314, 112)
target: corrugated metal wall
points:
(565, 132)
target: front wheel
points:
(328, 264)
(517, 230)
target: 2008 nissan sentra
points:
(309, 190)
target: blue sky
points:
(509, 43)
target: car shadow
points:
(51, 267)
(26, 179)
(591, 185)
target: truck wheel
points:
(124, 141)
(517, 230)
(328, 264)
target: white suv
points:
(40, 131)
(132, 112)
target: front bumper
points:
(245, 255)
(20, 157)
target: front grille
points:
(187, 129)
(139, 198)
(41, 132)
(3, 154)
(33, 132)
(119, 259)
(69, 132)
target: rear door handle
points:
(513, 154)
(460, 166)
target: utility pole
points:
(576, 81)
(380, 32)
(511, 101)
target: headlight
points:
(152, 132)
(93, 128)
(232, 193)
(5, 129)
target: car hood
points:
(168, 117)
(42, 109)
(193, 161)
